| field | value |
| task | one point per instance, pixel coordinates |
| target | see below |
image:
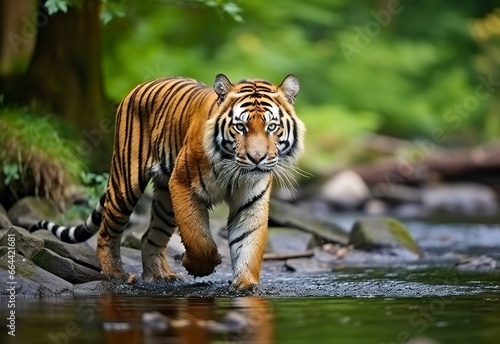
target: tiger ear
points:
(290, 87)
(222, 86)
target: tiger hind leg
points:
(154, 241)
(122, 195)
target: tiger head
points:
(255, 129)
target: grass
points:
(34, 158)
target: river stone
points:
(65, 267)
(26, 244)
(381, 232)
(461, 197)
(31, 279)
(307, 265)
(94, 288)
(479, 264)
(289, 240)
(30, 209)
(4, 219)
(346, 189)
(79, 253)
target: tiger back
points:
(200, 146)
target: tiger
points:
(199, 146)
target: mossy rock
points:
(64, 268)
(31, 279)
(24, 244)
(382, 232)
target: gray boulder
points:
(289, 240)
(346, 189)
(94, 288)
(64, 267)
(307, 265)
(25, 244)
(4, 219)
(30, 279)
(30, 209)
(467, 198)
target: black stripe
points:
(186, 166)
(102, 200)
(162, 230)
(249, 203)
(54, 229)
(161, 217)
(242, 236)
(96, 217)
(64, 235)
(164, 210)
(82, 234)
(152, 243)
(203, 185)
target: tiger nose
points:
(256, 158)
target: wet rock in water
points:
(94, 288)
(30, 279)
(397, 194)
(79, 253)
(155, 323)
(479, 264)
(288, 215)
(346, 190)
(289, 240)
(307, 265)
(25, 244)
(64, 267)
(4, 219)
(467, 197)
(382, 232)
(356, 258)
(30, 209)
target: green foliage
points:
(11, 173)
(359, 73)
(94, 184)
(27, 134)
(35, 159)
(54, 6)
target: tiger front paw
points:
(244, 285)
(203, 265)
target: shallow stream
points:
(423, 303)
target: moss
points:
(34, 158)
(377, 232)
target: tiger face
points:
(255, 130)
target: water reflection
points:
(349, 320)
(190, 320)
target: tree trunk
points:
(64, 75)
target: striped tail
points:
(78, 233)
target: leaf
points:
(54, 6)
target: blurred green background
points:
(409, 69)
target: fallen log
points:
(289, 215)
(420, 164)
(285, 256)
